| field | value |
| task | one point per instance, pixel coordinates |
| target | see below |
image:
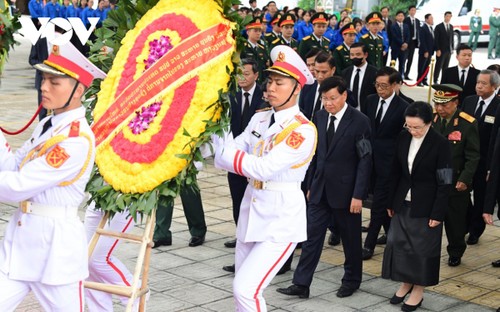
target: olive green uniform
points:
(375, 49)
(310, 42)
(494, 36)
(259, 54)
(270, 37)
(342, 58)
(463, 134)
(281, 41)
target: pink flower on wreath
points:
(157, 48)
(144, 117)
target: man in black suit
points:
(463, 75)
(362, 86)
(414, 26)
(342, 163)
(483, 107)
(324, 67)
(243, 106)
(400, 41)
(426, 48)
(384, 11)
(443, 36)
(386, 113)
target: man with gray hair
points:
(483, 107)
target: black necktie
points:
(462, 78)
(46, 126)
(378, 118)
(443, 124)
(479, 110)
(355, 86)
(330, 132)
(245, 116)
(317, 105)
(272, 120)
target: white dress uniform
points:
(103, 266)
(45, 250)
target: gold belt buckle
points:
(24, 206)
(257, 185)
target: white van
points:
(462, 11)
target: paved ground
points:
(183, 278)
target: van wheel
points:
(456, 39)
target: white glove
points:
(198, 165)
(206, 150)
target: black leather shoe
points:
(229, 268)
(454, 261)
(397, 300)
(496, 264)
(196, 241)
(367, 254)
(382, 240)
(230, 243)
(295, 290)
(472, 240)
(162, 242)
(409, 308)
(345, 291)
(333, 240)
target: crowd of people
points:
(319, 128)
(82, 9)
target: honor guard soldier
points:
(341, 54)
(45, 247)
(273, 35)
(462, 132)
(273, 152)
(316, 39)
(287, 23)
(373, 40)
(253, 49)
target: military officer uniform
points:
(274, 156)
(287, 19)
(341, 54)
(374, 43)
(463, 134)
(312, 41)
(45, 247)
(256, 51)
(271, 36)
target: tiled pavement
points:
(183, 278)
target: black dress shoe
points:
(409, 308)
(472, 240)
(345, 291)
(382, 240)
(229, 268)
(454, 261)
(162, 242)
(196, 241)
(230, 243)
(397, 300)
(496, 264)
(295, 290)
(367, 254)
(333, 240)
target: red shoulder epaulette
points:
(301, 119)
(74, 129)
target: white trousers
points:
(256, 264)
(103, 266)
(53, 298)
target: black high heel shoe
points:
(397, 300)
(410, 308)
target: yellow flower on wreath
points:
(139, 177)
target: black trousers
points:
(411, 51)
(442, 63)
(476, 225)
(455, 222)
(378, 212)
(349, 225)
(237, 186)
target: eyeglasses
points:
(410, 128)
(382, 86)
(329, 100)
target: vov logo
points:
(47, 29)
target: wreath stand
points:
(142, 266)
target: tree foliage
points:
(395, 5)
(306, 4)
